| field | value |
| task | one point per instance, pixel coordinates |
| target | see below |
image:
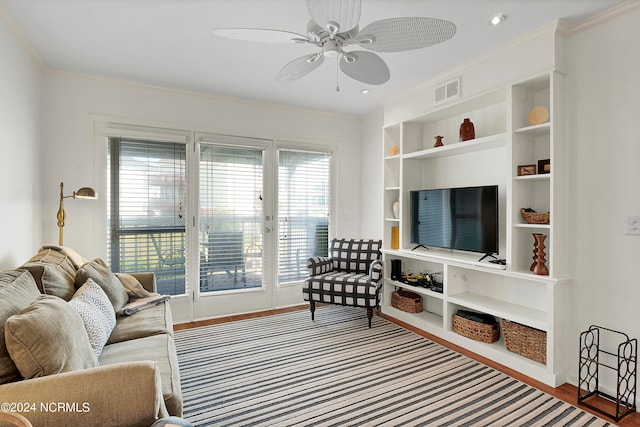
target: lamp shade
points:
(86, 193)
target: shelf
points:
(392, 219)
(392, 189)
(431, 319)
(534, 226)
(505, 310)
(416, 289)
(535, 130)
(536, 177)
(394, 157)
(478, 144)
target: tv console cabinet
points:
(505, 139)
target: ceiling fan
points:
(334, 26)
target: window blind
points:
(303, 211)
(147, 203)
(231, 216)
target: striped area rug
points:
(285, 370)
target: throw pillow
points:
(97, 313)
(133, 287)
(47, 338)
(54, 273)
(100, 273)
(18, 289)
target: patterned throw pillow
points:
(97, 313)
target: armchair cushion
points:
(354, 256)
(339, 287)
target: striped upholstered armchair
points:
(351, 275)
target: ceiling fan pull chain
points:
(338, 73)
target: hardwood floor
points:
(566, 392)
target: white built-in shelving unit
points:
(504, 140)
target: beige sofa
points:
(133, 380)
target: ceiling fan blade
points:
(299, 67)
(345, 13)
(260, 35)
(365, 67)
(399, 34)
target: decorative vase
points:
(467, 130)
(394, 150)
(438, 141)
(540, 267)
(396, 209)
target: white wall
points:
(371, 175)
(20, 88)
(73, 102)
(604, 106)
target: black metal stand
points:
(592, 357)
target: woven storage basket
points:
(488, 333)
(406, 301)
(525, 341)
(534, 217)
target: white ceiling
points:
(169, 43)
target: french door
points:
(226, 223)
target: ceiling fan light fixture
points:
(313, 58)
(497, 19)
(331, 48)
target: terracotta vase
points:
(467, 130)
(540, 267)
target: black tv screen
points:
(465, 219)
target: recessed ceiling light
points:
(364, 91)
(497, 19)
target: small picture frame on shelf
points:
(544, 166)
(526, 170)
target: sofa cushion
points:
(18, 289)
(158, 348)
(54, 273)
(48, 337)
(150, 321)
(97, 313)
(100, 273)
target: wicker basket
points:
(487, 333)
(406, 301)
(525, 341)
(534, 217)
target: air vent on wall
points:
(447, 91)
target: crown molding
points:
(14, 28)
(604, 16)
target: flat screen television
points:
(463, 219)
